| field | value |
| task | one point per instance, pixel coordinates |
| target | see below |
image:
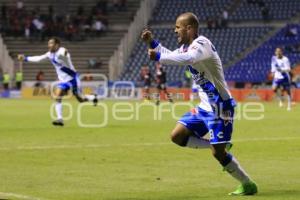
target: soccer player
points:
(215, 113)
(161, 79)
(146, 77)
(67, 75)
(280, 68)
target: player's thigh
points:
(275, 87)
(219, 150)
(62, 89)
(190, 123)
(59, 92)
(180, 133)
(76, 86)
(286, 88)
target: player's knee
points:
(219, 155)
(79, 99)
(178, 138)
(58, 99)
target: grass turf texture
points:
(135, 160)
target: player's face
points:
(278, 53)
(52, 46)
(181, 31)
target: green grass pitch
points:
(135, 160)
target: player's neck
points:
(193, 38)
(55, 50)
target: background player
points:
(280, 68)
(146, 77)
(67, 75)
(216, 111)
(161, 80)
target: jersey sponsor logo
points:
(196, 48)
(198, 77)
(206, 85)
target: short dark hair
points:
(191, 19)
(56, 40)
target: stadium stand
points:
(237, 38)
(93, 49)
(256, 66)
(271, 9)
(249, 28)
(167, 10)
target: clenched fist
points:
(21, 57)
(147, 36)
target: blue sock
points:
(227, 160)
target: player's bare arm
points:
(152, 54)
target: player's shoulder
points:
(63, 51)
(274, 58)
(285, 58)
(201, 40)
(202, 44)
(48, 54)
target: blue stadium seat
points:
(256, 66)
(229, 42)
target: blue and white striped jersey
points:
(205, 65)
(61, 60)
(280, 67)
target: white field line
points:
(96, 146)
(19, 196)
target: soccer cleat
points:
(58, 122)
(280, 104)
(95, 100)
(288, 108)
(249, 188)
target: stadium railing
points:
(6, 62)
